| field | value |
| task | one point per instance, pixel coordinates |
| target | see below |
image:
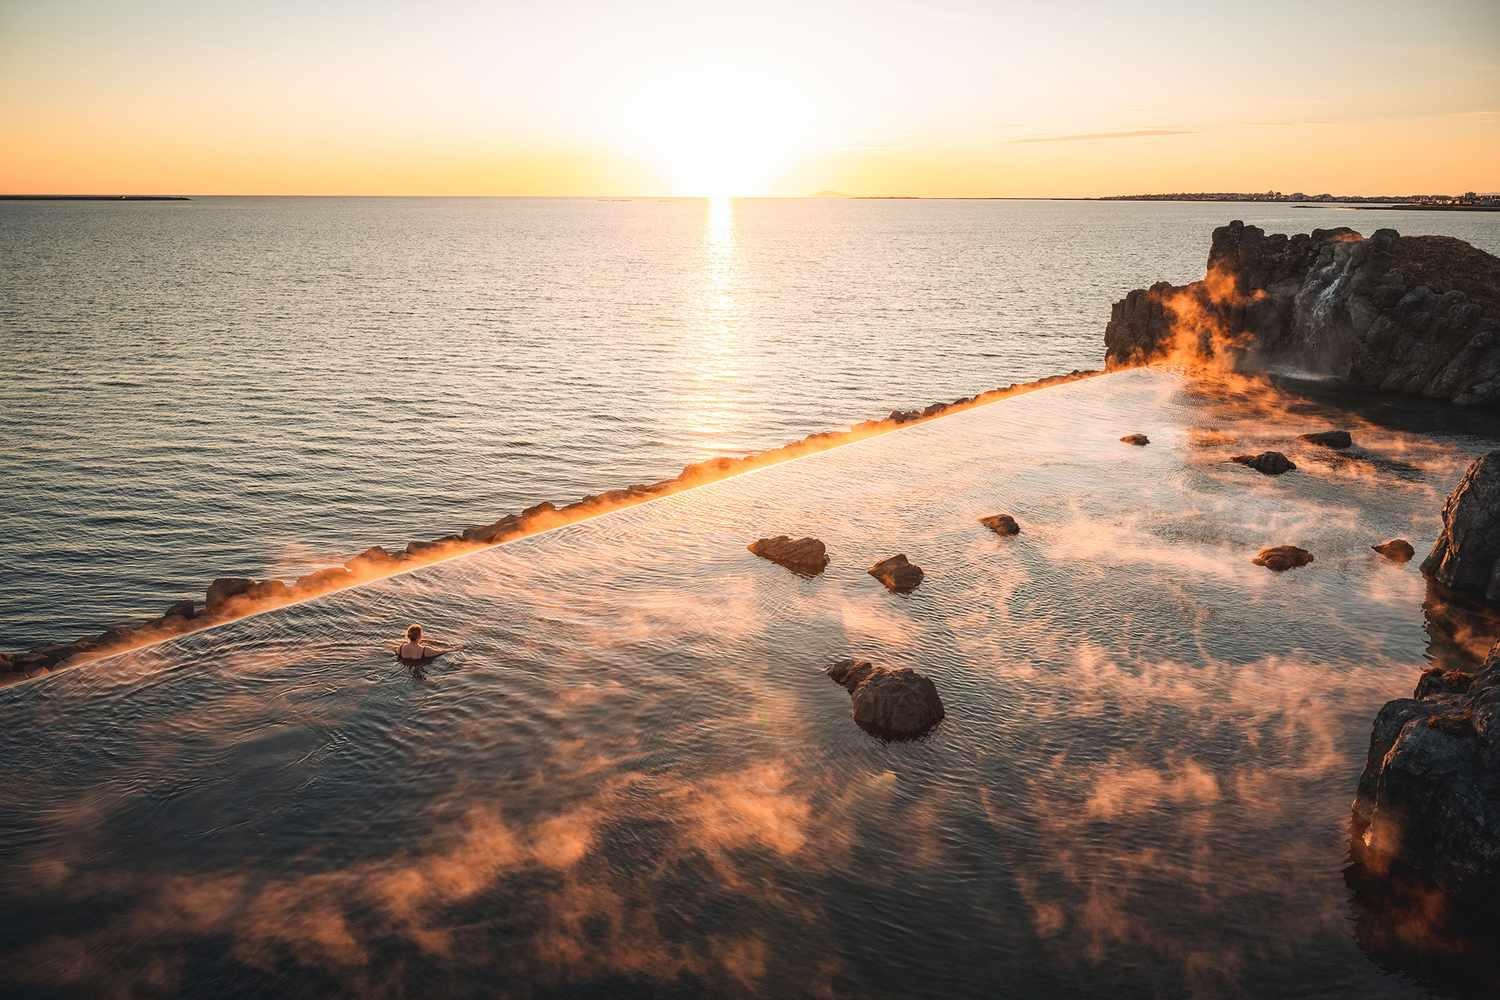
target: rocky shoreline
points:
(1418, 315)
(228, 599)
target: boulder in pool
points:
(1281, 558)
(1329, 439)
(898, 573)
(1267, 463)
(805, 556)
(895, 703)
(1466, 556)
(1139, 440)
(1428, 804)
(1001, 524)
(225, 588)
(1397, 550)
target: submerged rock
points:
(897, 573)
(806, 556)
(1001, 524)
(1282, 557)
(1267, 463)
(1139, 440)
(1329, 439)
(1466, 556)
(1396, 550)
(225, 588)
(891, 702)
(1428, 804)
(1409, 314)
(182, 609)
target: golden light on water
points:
(715, 355)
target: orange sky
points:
(884, 97)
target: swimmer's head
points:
(414, 634)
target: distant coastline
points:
(1467, 202)
(94, 197)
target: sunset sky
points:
(881, 97)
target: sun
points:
(718, 131)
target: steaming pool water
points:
(633, 779)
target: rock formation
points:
(1466, 556)
(1267, 463)
(1428, 804)
(892, 702)
(897, 573)
(1409, 314)
(806, 556)
(1001, 524)
(1281, 558)
(1329, 439)
(1396, 550)
(1139, 440)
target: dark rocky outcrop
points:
(805, 556)
(1329, 439)
(1466, 556)
(891, 702)
(1001, 524)
(1396, 550)
(225, 588)
(1409, 314)
(1281, 558)
(1267, 463)
(182, 609)
(897, 573)
(1428, 804)
(1139, 440)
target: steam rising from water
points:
(634, 776)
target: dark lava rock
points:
(224, 588)
(895, 703)
(1001, 524)
(418, 549)
(1282, 557)
(1396, 550)
(1407, 314)
(1466, 556)
(897, 573)
(490, 533)
(371, 560)
(1268, 463)
(806, 556)
(7, 663)
(323, 580)
(1428, 805)
(1139, 440)
(182, 609)
(1329, 439)
(904, 416)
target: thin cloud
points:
(1140, 133)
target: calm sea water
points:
(633, 780)
(260, 386)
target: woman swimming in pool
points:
(414, 650)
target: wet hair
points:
(414, 633)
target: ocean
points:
(260, 386)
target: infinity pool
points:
(633, 778)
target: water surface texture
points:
(248, 386)
(633, 779)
